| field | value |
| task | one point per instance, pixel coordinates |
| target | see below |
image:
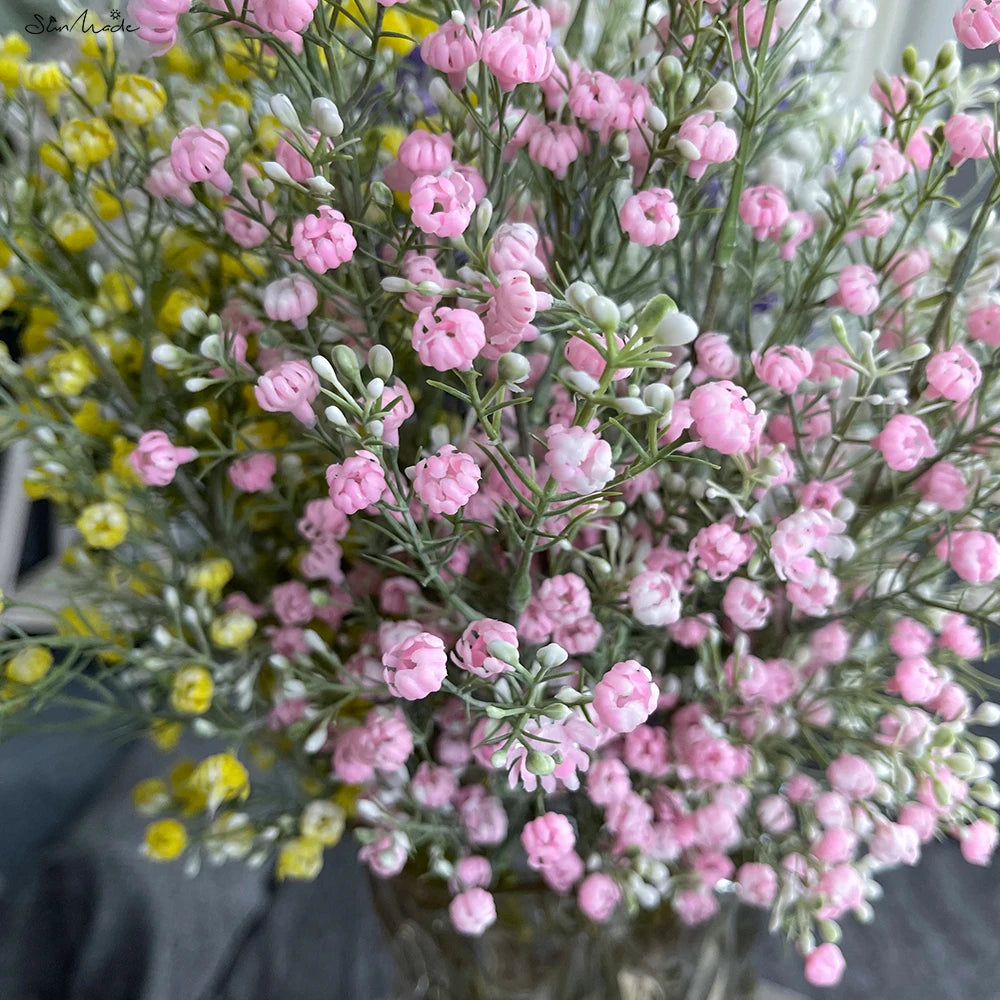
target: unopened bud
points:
(914, 352)
(197, 384)
(552, 656)
(670, 71)
(909, 60)
(504, 651)
(499, 757)
(198, 419)
(374, 389)
(382, 194)
(336, 416)
(259, 188)
(655, 118)
(557, 712)
(540, 763)
(579, 294)
(914, 92)
(675, 329)
(618, 147)
(986, 714)
(722, 97)
(513, 368)
(322, 367)
(380, 362)
(345, 361)
(320, 186)
(326, 117)
(603, 312)
(194, 320)
(276, 172)
(659, 397)
(947, 56)
(283, 109)
(396, 285)
(687, 149)
(484, 214)
(169, 357)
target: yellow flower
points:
(300, 858)
(54, 158)
(73, 231)
(30, 665)
(45, 79)
(226, 92)
(269, 131)
(87, 142)
(231, 834)
(90, 419)
(179, 60)
(177, 301)
(114, 293)
(2, 605)
(232, 630)
(165, 733)
(192, 690)
(121, 448)
(137, 99)
(103, 525)
(220, 778)
(71, 371)
(89, 77)
(323, 821)
(6, 292)
(150, 797)
(165, 840)
(211, 576)
(14, 50)
(107, 205)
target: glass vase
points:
(542, 948)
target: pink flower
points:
(547, 839)
(716, 357)
(654, 599)
(625, 696)
(578, 459)
(442, 205)
(765, 209)
(977, 24)
(984, 323)
(555, 146)
(825, 965)
(563, 873)
(297, 165)
(386, 855)
(452, 49)
(415, 667)
(423, 152)
(446, 480)
(284, 17)
(756, 884)
(905, 268)
(943, 484)
(289, 387)
(857, 290)
(746, 605)
(970, 137)
(953, 374)
(383, 742)
(973, 555)
(514, 247)
(357, 482)
(586, 358)
(199, 154)
(246, 231)
(472, 872)
(158, 21)
(472, 650)
(447, 339)
(607, 782)
(888, 164)
(917, 680)
(695, 906)
(593, 97)
(958, 635)
(397, 406)
(162, 182)
(292, 603)
(514, 59)
(895, 844)
(255, 473)
(290, 300)
(713, 141)
(725, 418)
(978, 841)
(905, 442)
(155, 459)
(650, 217)
(783, 367)
(483, 816)
(472, 911)
(775, 814)
(720, 550)
(598, 896)
(323, 241)
(852, 776)
(514, 303)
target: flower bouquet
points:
(559, 442)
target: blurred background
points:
(84, 917)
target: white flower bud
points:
(580, 381)
(283, 109)
(722, 97)
(335, 415)
(655, 118)
(320, 186)
(484, 214)
(632, 406)
(986, 714)
(211, 348)
(458, 17)
(197, 384)
(380, 362)
(322, 367)
(375, 429)
(506, 652)
(396, 285)
(429, 288)
(675, 329)
(578, 294)
(858, 161)
(169, 357)
(914, 352)
(375, 388)
(276, 172)
(687, 149)
(193, 320)
(198, 419)
(987, 749)
(659, 397)
(551, 656)
(326, 117)
(603, 312)
(513, 368)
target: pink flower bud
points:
(290, 387)
(472, 911)
(357, 482)
(598, 896)
(155, 459)
(415, 667)
(625, 696)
